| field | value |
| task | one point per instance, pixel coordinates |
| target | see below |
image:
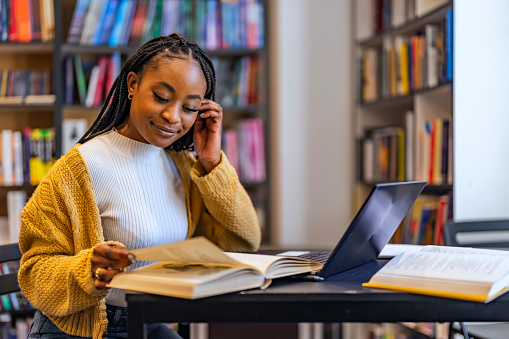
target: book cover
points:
(196, 268)
(24, 20)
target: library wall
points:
(313, 162)
(480, 101)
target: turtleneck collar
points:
(130, 148)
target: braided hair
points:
(116, 108)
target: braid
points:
(116, 107)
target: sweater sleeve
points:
(228, 218)
(55, 271)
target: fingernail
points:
(201, 114)
(130, 257)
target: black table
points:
(338, 299)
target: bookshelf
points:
(239, 60)
(403, 111)
(403, 114)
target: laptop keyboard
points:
(319, 256)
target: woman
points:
(132, 182)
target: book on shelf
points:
(434, 151)
(384, 155)
(212, 24)
(16, 85)
(474, 274)
(26, 20)
(197, 268)
(37, 156)
(424, 223)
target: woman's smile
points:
(164, 131)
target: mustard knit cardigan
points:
(60, 225)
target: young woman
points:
(132, 182)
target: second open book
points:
(197, 268)
(453, 272)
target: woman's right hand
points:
(108, 261)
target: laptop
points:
(370, 230)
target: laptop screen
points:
(373, 226)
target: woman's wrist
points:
(209, 164)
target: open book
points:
(453, 272)
(197, 268)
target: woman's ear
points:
(132, 81)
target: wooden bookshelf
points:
(402, 91)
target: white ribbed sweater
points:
(140, 197)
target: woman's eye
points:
(190, 109)
(160, 98)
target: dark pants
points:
(43, 328)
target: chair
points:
(479, 234)
(9, 282)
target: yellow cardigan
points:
(60, 225)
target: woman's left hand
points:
(207, 134)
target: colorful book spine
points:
(449, 44)
(109, 21)
(116, 33)
(77, 21)
(80, 79)
(24, 20)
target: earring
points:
(130, 96)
